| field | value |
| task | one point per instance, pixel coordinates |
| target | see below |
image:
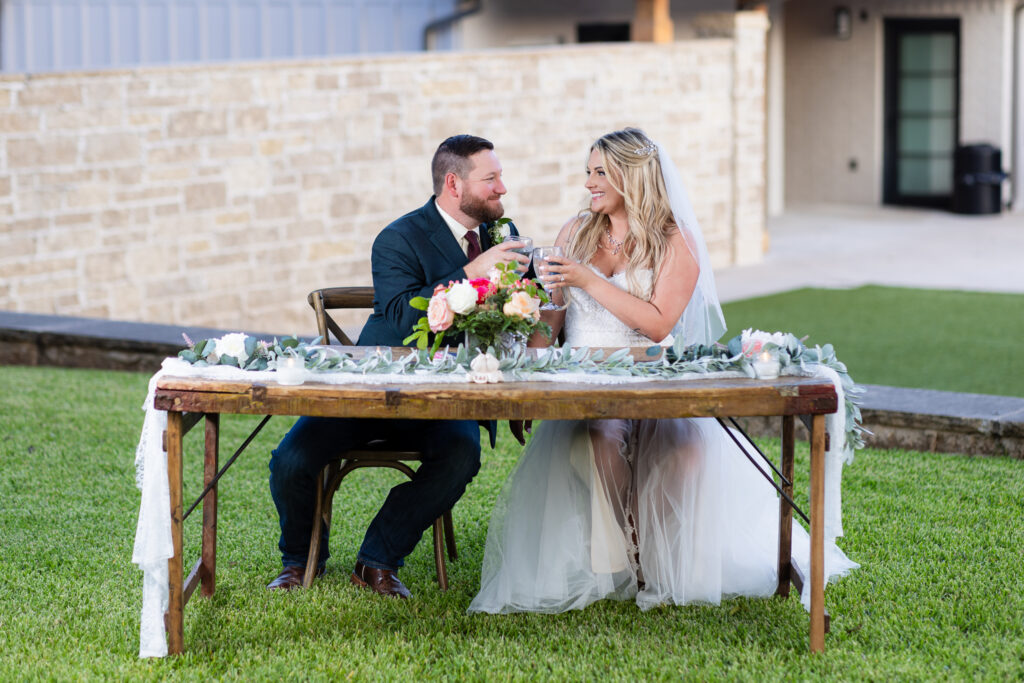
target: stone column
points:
(652, 22)
(749, 238)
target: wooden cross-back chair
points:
(375, 454)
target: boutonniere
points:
(498, 230)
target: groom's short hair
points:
(452, 156)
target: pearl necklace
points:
(616, 245)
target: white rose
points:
(462, 297)
(752, 341)
(232, 345)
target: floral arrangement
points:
(498, 230)
(485, 307)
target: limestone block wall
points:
(221, 195)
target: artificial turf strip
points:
(940, 594)
(926, 339)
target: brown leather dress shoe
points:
(289, 578)
(380, 581)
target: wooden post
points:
(818, 533)
(785, 509)
(652, 22)
(175, 617)
(208, 571)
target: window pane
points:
(927, 94)
(927, 52)
(929, 136)
(925, 176)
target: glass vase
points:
(506, 344)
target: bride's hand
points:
(562, 271)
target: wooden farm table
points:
(188, 400)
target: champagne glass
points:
(541, 259)
(525, 250)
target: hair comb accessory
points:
(646, 150)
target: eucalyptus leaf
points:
(736, 345)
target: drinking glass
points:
(541, 258)
(525, 250)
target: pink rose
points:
(484, 288)
(752, 347)
(523, 305)
(439, 313)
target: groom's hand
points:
(499, 253)
(517, 427)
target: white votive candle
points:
(766, 365)
(291, 370)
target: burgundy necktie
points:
(474, 245)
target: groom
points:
(438, 242)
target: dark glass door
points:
(922, 110)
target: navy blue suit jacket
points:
(410, 257)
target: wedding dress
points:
(656, 511)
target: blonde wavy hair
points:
(631, 164)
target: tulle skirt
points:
(656, 511)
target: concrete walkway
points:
(839, 246)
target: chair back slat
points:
(334, 298)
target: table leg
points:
(207, 573)
(174, 619)
(785, 509)
(818, 534)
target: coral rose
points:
(523, 305)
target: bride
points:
(657, 511)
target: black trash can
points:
(977, 179)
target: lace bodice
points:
(588, 323)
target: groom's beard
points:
(480, 210)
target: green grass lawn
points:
(953, 341)
(940, 594)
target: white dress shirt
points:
(458, 229)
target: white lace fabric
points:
(586, 319)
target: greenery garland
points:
(665, 362)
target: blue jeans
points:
(451, 458)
